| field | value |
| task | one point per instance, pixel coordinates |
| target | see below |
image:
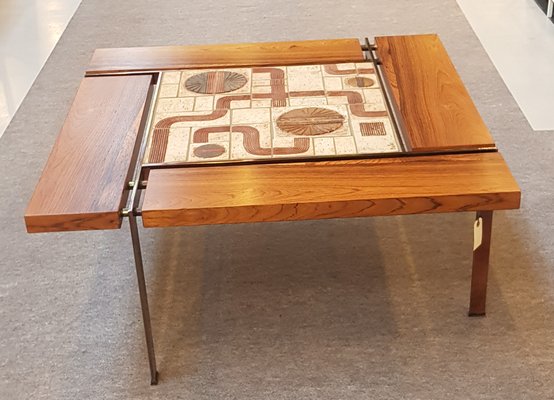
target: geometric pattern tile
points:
(269, 112)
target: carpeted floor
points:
(338, 309)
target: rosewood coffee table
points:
(197, 135)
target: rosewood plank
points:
(116, 60)
(82, 184)
(437, 110)
(288, 192)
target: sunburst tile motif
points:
(310, 121)
(236, 114)
(213, 82)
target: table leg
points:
(143, 298)
(480, 269)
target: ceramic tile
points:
(177, 105)
(269, 112)
(374, 143)
(360, 82)
(333, 113)
(203, 103)
(324, 146)
(293, 145)
(345, 145)
(347, 96)
(212, 136)
(261, 103)
(177, 145)
(308, 101)
(168, 91)
(252, 143)
(373, 100)
(208, 151)
(304, 80)
(250, 116)
(332, 83)
(199, 82)
(261, 89)
(171, 77)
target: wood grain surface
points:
(437, 110)
(316, 190)
(224, 55)
(82, 184)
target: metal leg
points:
(143, 298)
(479, 275)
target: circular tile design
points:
(215, 82)
(209, 150)
(311, 121)
(360, 82)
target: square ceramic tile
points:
(238, 114)
(203, 103)
(324, 146)
(168, 90)
(171, 77)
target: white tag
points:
(477, 233)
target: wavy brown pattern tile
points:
(325, 120)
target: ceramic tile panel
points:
(256, 113)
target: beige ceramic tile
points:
(324, 146)
(333, 83)
(177, 145)
(374, 100)
(343, 66)
(261, 76)
(238, 151)
(345, 145)
(168, 91)
(171, 77)
(251, 116)
(178, 105)
(367, 64)
(261, 89)
(203, 103)
(308, 101)
(374, 144)
(303, 78)
(261, 103)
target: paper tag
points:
(477, 233)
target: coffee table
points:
(262, 132)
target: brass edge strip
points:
(372, 55)
(134, 185)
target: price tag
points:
(477, 233)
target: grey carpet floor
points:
(338, 309)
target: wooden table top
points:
(454, 164)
